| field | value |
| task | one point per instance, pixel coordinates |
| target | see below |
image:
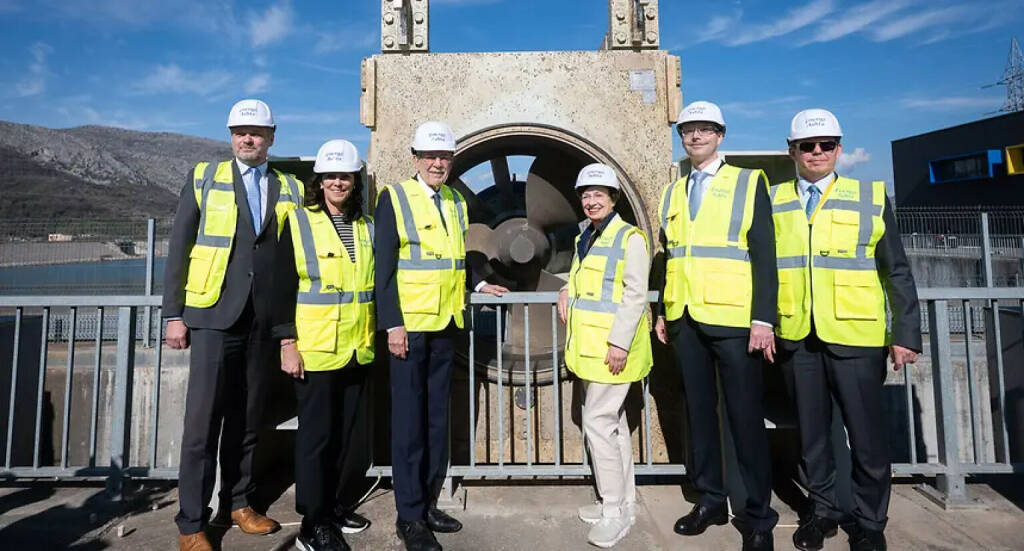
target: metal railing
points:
(970, 420)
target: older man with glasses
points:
(840, 261)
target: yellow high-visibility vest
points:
(827, 269)
(215, 196)
(595, 291)
(431, 255)
(707, 268)
(334, 315)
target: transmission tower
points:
(1013, 79)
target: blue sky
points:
(887, 68)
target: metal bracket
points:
(405, 26)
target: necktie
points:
(813, 196)
(696, 193)
(252, 195)
(440, 210)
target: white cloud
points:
(258, 83)
(320, 117)
(794, 20)
(346, 38)
(272, 25)
(326, 69)
(165, 79)
(33, 82)
(757, 109)
(953, 103)
(259, 61)
(856, 19)
(900, 27)
(847, 161)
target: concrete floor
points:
(534, 517)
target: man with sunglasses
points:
(718, 309)
(420, 275)
(840, 260)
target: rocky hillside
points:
(95, 171)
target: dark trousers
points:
(225, 399)
(815, 376)
(328, 406)
(740, 375)
(420, 388)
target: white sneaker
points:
(591, 514)
(612, 527)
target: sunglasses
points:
(826, 146)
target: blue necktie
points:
(813, 196)
(252, 195)
(440, 208)
(696, 193)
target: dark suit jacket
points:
(386, 243)
(250, 271)
(900, 292)
(761, 241)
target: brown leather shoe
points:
(251, 522)
(194, 542)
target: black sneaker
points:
(319, 537)
(349, 522)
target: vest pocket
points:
(845, 231)
(673, 282)
(857, 294)
(591, 282)
(787, 294)
(220, 221)
(727, 288)
(419, 291)
(316, 334)
(592, 340)
(200, 264)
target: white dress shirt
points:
(802, 185)
(242, 168)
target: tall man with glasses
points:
(718, 308)
(840, 260)
(420, 273)
(217, 298)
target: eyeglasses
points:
(431, 155)
(699, 131)
(826, 146)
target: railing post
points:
(986, 251)
(150, 263)
(120, 422)
(950, 487)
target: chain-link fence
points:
(81, 256)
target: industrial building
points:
(977, 164)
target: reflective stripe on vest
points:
(431, 257)
(827, 270)
(334, 308)
(595, 291)
(213, 187)
(707, 262)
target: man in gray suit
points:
(217, 289)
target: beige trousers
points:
(609, 442)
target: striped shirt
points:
(344, 229)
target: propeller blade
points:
(545, 205)
(502, 178)
(479, 238)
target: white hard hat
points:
(337, 156)
(434, 136)
(814, 123)
(597, 174)
(251, 112)
(701, 111)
